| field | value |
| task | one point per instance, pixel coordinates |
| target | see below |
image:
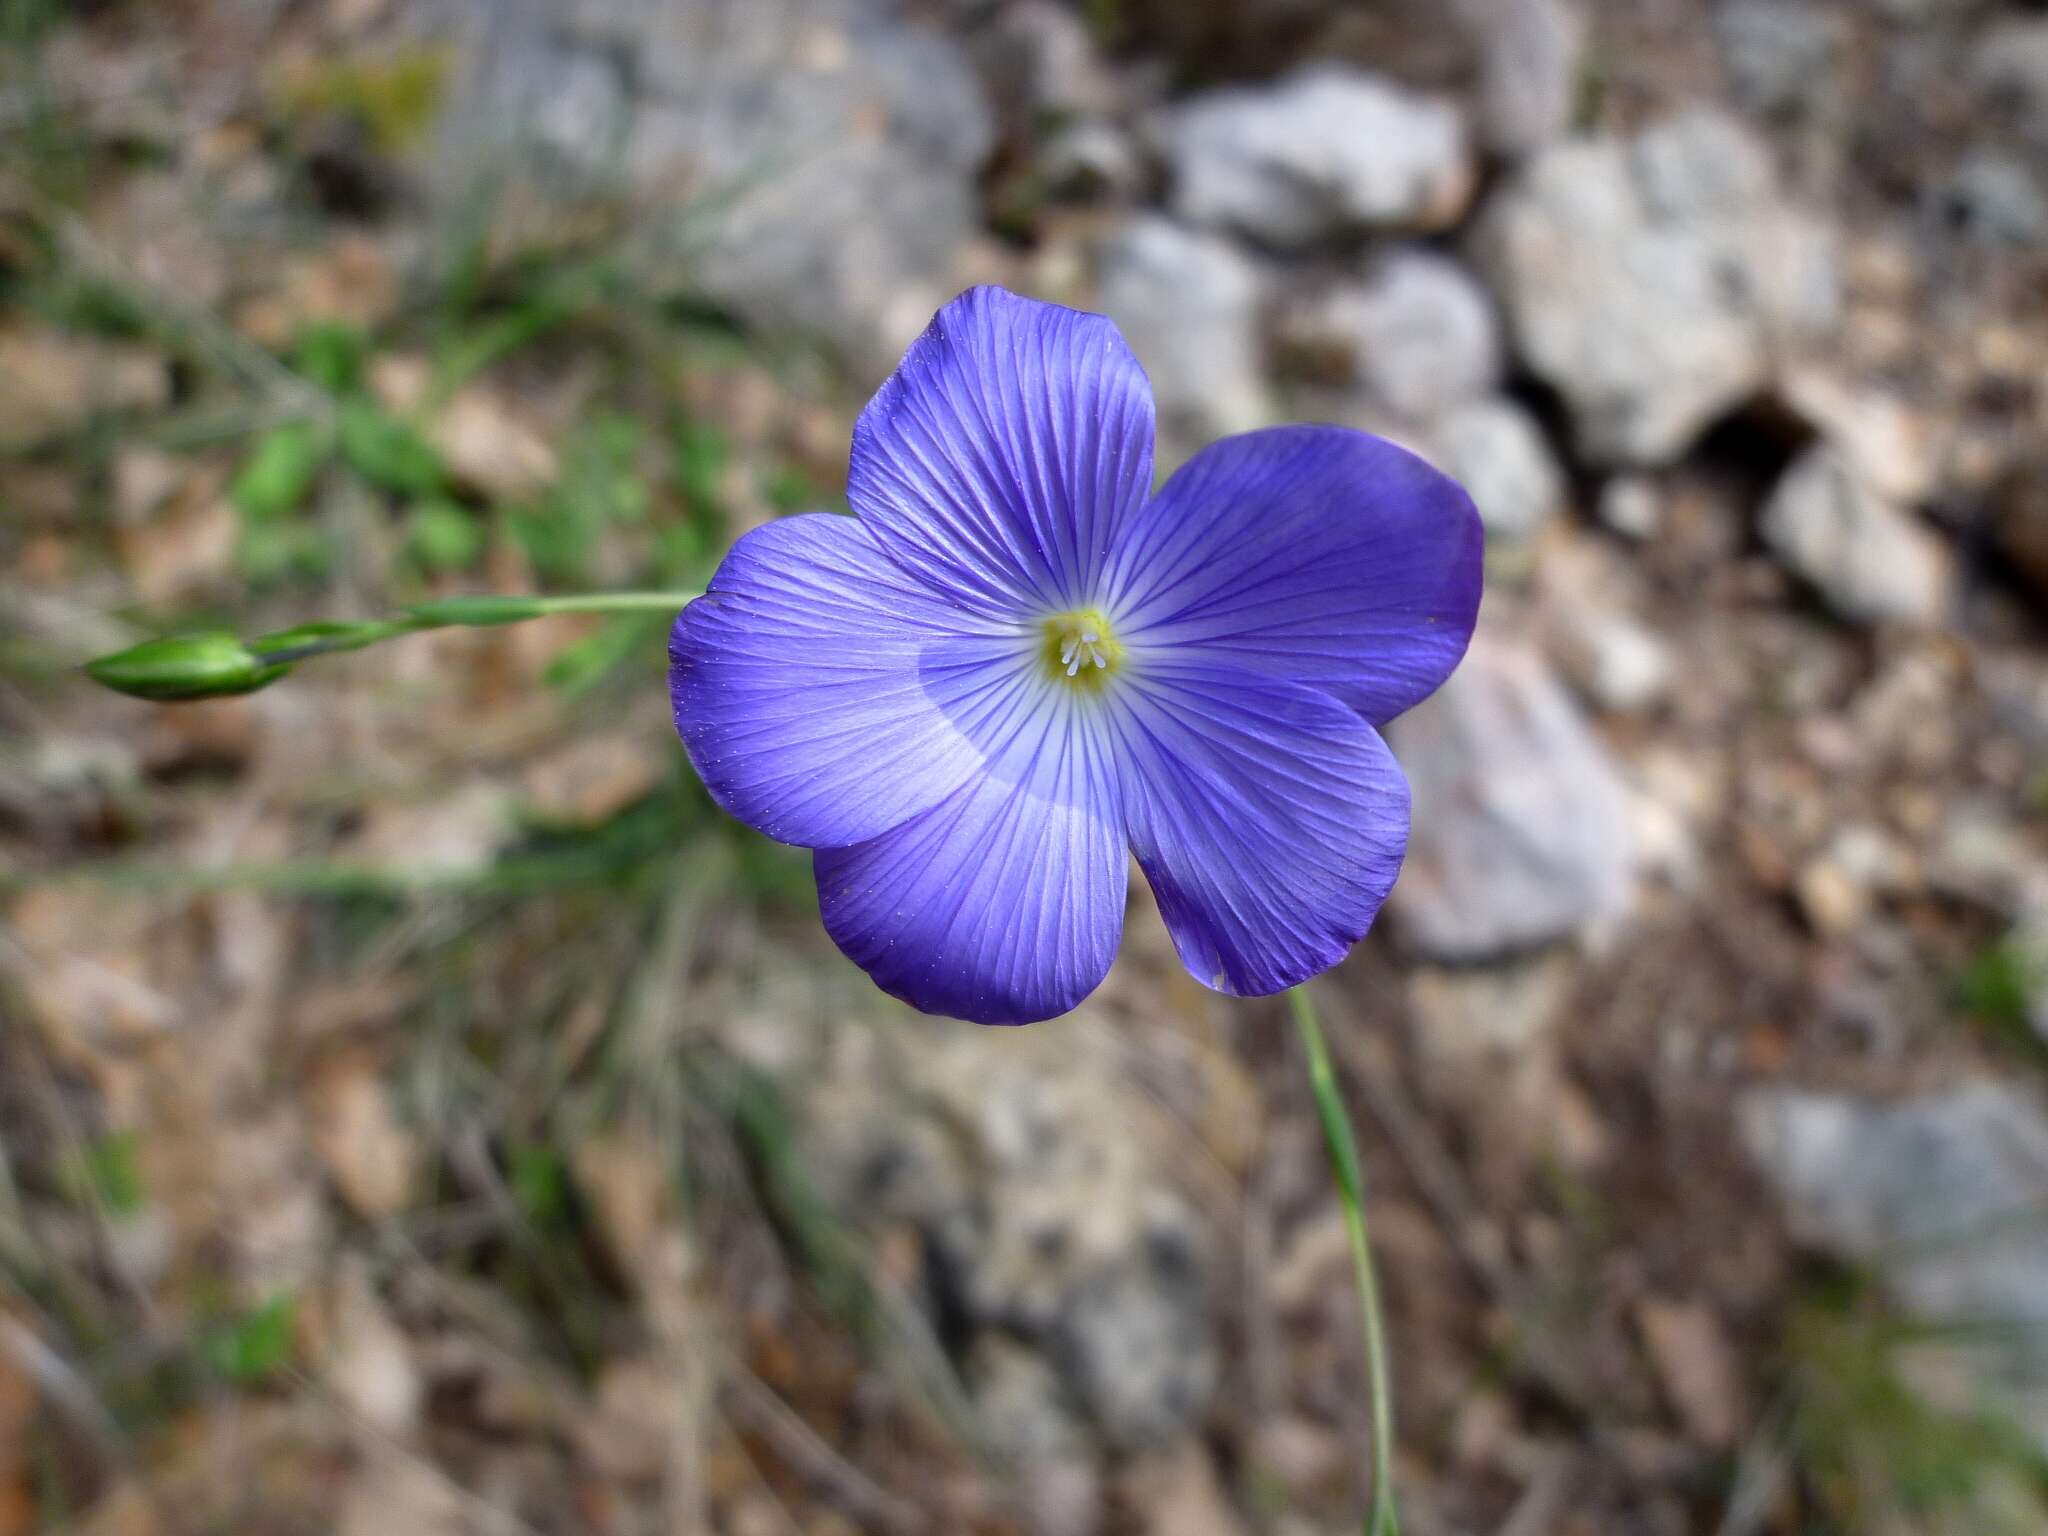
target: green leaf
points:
(388, 452)
(331, 355)
(702, 451)
(444, 536)
(583, 664)
(1996, 985)
(109, 1171)
(279, 473)
(539, 1179)
(268, 552)
(254, 1345)
(788, 489)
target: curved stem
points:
(1343, 1143)
(214, 663)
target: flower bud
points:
(202, 666)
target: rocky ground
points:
(419, 1112)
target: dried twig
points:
(754, 1401)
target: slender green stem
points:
(214, 663)
(1343, 1143)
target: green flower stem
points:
(1343, 1143)
(215, 664)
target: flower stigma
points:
(1081, 648)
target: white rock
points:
(1497, 452)
(1418, 336)
(1630, 505)
(1867, 557)
(1613, 660)
(1326, 151)
(1942, 1193)
(1188, 304)
(1529, 56)
(1651, 280)
(1887, 444)
(1522, 829)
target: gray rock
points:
(1778, 52)
(1994, 198)
(809, 164)
(1944, 1194)
(1325, 152)
(1529, 54)
(1651, 280)
(1050, 1221)
(579, 113)
(1927, 1187)
(1024, 1412)
(2010, 69)
(1418, 335)
(1188, 303)
(1497, 452)
(1867, 557)
(1521, 831)
(1089, 159)
(1041, 68)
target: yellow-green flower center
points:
(1081, 649)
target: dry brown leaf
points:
(594, 779)
(1695, 1367)
(489, 448)
(88, 990)
(143, 480)
(365, 1357)
(1178, 1494)
(56, 383)
(400, 381)
(622, 1173)
(369, 1156)
(17, 1414)
(187, 546)
(638, 1419)
(399, 1492)
(350, 280)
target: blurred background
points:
(420, 1112)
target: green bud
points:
(202, 666)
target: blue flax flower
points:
(1016, 666)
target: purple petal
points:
(798, 691)
(1003, 454)
(1005, 903)
(1314, 553)
(1269, 818)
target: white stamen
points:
(1083, 646)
